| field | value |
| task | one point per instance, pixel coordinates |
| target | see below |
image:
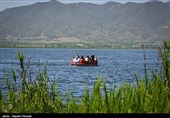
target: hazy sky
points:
(14, 3)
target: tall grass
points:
(150, 95)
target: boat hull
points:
(95, 63)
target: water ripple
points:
(116, 66)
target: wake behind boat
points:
(87, 61)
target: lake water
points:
(116, 66)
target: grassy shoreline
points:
(150, 95)
(81, 45)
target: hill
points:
(110, 23)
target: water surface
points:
(116, 66)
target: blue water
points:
(116, 66)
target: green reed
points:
(149, 95)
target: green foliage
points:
(165, 56)
(151, 96)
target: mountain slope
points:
(111, 22)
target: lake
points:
(116, 66)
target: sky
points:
(15, 3)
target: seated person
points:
(77, 56)
(87, 59)
(82, 59)
(76, 59)
(92, 58)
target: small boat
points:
(83, 62)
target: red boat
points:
(83, 62)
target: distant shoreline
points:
(77, 45)
(81, 48)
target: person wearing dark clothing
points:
(82, 57)
(92, 57)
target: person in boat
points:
(95, 59)
(77, 58)
(87, 59)
(92, 58)
(82, 57)
(82, 60)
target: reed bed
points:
(149, 95)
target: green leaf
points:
(13, 75)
